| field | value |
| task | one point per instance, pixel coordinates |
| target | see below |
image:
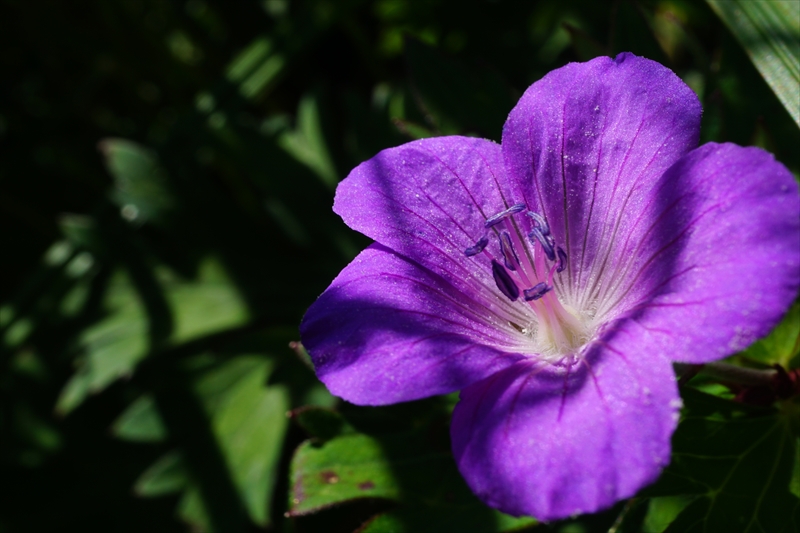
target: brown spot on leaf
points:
(298, 495)
(367, 485)
(329, 477)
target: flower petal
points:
(428, 200)
(388, 331)
(731, 267)
(586, 145)
(536, 442)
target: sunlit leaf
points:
(209, 304)
(250, 422)
(662, 511)
(354, 466)
(115, 345)
(406, 468)
(769, 30)
(112, 347)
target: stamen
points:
(540, 222)
(499, 217)
(510, 257)
(546, 241)
(537, 291)
(504, 282)
(562, 259)
(478, 248)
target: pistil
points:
(530, 264)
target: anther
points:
(562, 259)
(546, 241)
(536, 292)
(504, 282)
(478, 248)
(540, 222)
(510, 257)
(499, 217)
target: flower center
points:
(555, 330)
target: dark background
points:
(166, 175)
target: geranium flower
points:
(554, 279)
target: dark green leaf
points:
(140, 422)
(321, 423)
(141, 189)
(165, 476)
(455, 99)
(738, 461)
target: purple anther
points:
(536, 292)
(546, 241)
(540, 222)
(499, 217)
(504, 282)
(510, 257)
(562, 259)
(478, 248)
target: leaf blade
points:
(769, 31)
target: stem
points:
(731, 373)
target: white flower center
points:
(552, 330)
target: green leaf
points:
(206, 305)
(249, 424)
(662, 511)
(769, 31)
(115, 345)
(112, 346)
(349, 467)
(738, 461)
(782, 345)
(166, 476)
(192, 511)
(307, 143)
(255, 68)
(141, 188)
(140, 422)
(413, 468)
(249, 421)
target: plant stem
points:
(730, 373)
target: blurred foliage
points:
(166, 175)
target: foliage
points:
(166, 176)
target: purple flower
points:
(554, 279)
